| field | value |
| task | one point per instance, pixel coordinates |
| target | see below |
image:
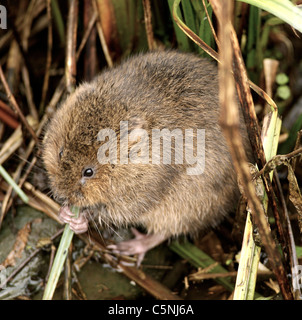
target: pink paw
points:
(139, 246)
(78, 225)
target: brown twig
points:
(90, 59)
(7, 110)
(15, 105)
(246, 102)
(29, 93)
(54, 207)
(298, 142)
(278, 160)
(51, 259)
(148, 24)
(70, 64)
(102, 37)
(18, 39)
(13, 66)
(292, 251)
(48, 58)
(67, 295)
(51, 107)
(7, 116)
(28, 18)
(211, 24)
(78, 289)
(86, 34)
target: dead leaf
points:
(19, 246)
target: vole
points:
(106, 150)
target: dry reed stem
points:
(101, 35)
(48, 57)
(292, 253)
(297, 144)
(51, 107)
(86, 34)
(15, 105)
(14, 141)
(67, 294)
(230, 126)
(38, 195)
(70, 63)
(29, 93)
(254, 130)
(148, 24)
(25, 33)
(8, 116)
(211, 24)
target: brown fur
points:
(155, 90)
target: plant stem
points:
(59, 259)
(11, 181)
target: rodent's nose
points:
(77, 196)
(59, 198)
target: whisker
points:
(108, 226)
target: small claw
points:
(78, 225)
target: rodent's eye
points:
(88, 172)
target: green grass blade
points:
(182, 39)
(283, 9)
(11, 181)
(189, 15)
(254, 53)
(59, 23)
(199, 259)
(59, 259)
(205, 32)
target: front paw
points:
(78, 225)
